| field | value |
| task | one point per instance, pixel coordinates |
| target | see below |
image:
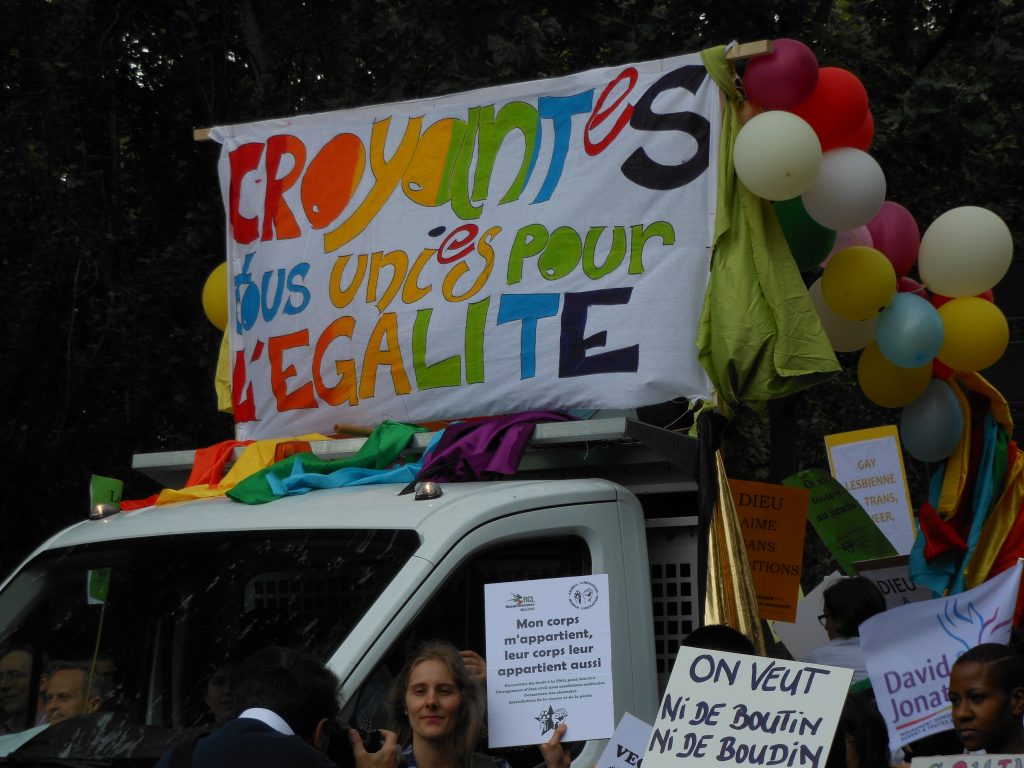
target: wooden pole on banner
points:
(736, 52)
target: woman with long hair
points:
(437, 709)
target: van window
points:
(178, 609)
(456, 614)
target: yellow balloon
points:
(976, 334)
(858, 283)
(887, 384)
(215, 296)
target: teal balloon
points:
(931, 425)
(809, 242)
(909, 332)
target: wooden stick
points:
(749, 50)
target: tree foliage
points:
(112, 216)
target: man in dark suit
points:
(285, 698)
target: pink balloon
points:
(847, 238)
(783, 78)
(896, 234)
(910, 285)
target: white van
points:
(359, 574)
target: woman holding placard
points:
(437, 708)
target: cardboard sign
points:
(892, 576)
(627, 745)
(773, 519)
(530, 246)
(909, 651)
(548, 660)
(840, 521)
(869, 464)
(734, 710)
(968, 761)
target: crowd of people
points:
(280, 706)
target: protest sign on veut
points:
(731, 709)
(909, 651)
(869, 464)
(773, 519)
(968, 761)
(892, 577)
(627, 745)
(548, 659)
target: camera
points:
(336, 745)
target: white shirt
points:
(268, 717)
(841, 652)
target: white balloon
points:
(844, 335)
(777, 155)
(964, 252)
(848, 191)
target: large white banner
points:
(537, 245)
(909, 651)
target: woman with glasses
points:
(847, 603)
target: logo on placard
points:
(522, 602)
(583, 595)
(550, 718)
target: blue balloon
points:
(909, 332)
(931, 426)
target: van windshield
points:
(154, 627)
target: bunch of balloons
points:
(806, 151)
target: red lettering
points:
(277, 216)
(279, 375)
(600, 113)
(243, 161)
(461, 238)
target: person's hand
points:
(387, 756)
(476, 665)
(554, 751)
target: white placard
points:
(627, 745)
(909, 651)
(869, 464)
(548, 659)
(731, 709)
(968, 761)
(892, 577)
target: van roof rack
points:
(643, 457)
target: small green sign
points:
(98, 586)
(105, 490)
(838, 518)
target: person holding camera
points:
(437, 706)
(287, 702)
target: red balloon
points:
(941, 371)
(895, 233)
(837, 108)
(910, 285)
(938, 300)
(863, 136)
(783, 78)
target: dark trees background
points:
(112, 216)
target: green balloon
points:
(809, 242)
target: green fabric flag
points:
(759, 336)
(382, 448)
(846, 529)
